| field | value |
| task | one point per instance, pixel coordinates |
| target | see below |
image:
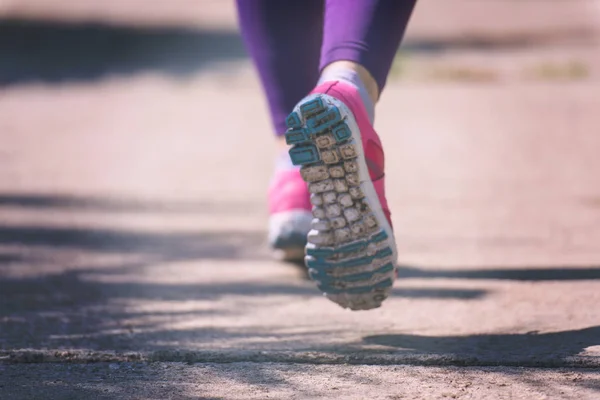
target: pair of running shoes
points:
(331, 208)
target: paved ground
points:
(132, 248)
(292, 381)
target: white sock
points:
(351, 77)
(284, 162)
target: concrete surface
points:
(132, 223)
(284, 381)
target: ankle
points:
(370, 85)
(357, 76)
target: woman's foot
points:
(289, 211)
(351, 252)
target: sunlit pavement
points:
(133, 261)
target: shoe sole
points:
(350, 252)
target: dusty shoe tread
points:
(349, 253)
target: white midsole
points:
(289, 221)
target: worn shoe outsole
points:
(351, 252)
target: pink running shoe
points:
(351, 252)
(290, 215)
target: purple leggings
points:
(291, 41)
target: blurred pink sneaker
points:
(351, 252)
(290, 215)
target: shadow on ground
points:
(509, 40)
(272, 380)
(51, 202)
(529, 349)
(153, 246)
(55, 52)
(74, 286)
(82, 303)
(514, 274)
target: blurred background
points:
(136, 150)
(490, 110)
